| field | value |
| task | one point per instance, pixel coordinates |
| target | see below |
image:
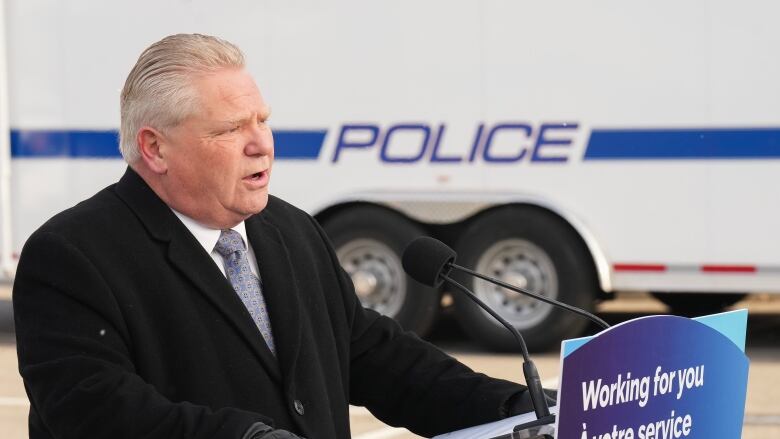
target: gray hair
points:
(158, 91)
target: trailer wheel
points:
(534, 250)
(697, 304)
(369, 242)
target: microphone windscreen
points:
(425, 259)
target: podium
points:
(656, 377)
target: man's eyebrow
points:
(263, 115)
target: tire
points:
(369, 242)
(530, 248)
(697, 304)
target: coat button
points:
(298, 407)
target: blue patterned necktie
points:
(231, 246)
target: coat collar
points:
(188, 256)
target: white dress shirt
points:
(208, 237)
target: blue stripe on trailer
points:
(748, 143)
(298, 144)
(64, 143)
(290, 144)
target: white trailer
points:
(572, 148)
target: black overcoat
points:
(126, 328)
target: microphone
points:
(429, 262)
(425, 259)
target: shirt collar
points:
(206, 236)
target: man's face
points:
(219, 159)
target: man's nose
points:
(260, 141)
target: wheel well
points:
(576, 237)
(450, 232)
(324, 215)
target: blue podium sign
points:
(658, 377)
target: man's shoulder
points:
(91, 215)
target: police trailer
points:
(575, 149)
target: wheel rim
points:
(376, 272)
(523, 264)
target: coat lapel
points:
(198, 267)
(280, 290)
(188, 256)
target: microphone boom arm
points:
(553, 302)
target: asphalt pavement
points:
(762, 411)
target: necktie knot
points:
(229, 242)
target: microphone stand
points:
(543, 416)
(429, 261)
(532, 379)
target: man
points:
(184, 301)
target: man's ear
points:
(150, 146)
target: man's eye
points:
(227, 131)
